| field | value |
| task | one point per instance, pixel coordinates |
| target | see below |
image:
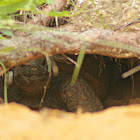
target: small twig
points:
(48, 80)
(45, 90)
(131, 72)
(133, 21)
(71, 60)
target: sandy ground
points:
(17, 122)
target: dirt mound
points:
(18, 122)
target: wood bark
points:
(97, 41)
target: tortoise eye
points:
(44, 62)
(22, 65)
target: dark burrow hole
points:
(102, 74)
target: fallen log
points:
(25, 47)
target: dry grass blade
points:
(5, 83)
(48, 80)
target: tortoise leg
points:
(80, 95)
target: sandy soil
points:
(118, 123)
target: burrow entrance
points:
(102, 74)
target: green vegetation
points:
(5, 83)
(79, 64)
(98, 13)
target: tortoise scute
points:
(80, 95)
